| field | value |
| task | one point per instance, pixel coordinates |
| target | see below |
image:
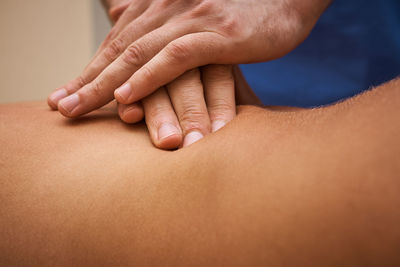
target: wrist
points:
(301, 17)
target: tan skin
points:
(275, 187)
(155, 43)
(200, 101)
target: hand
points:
(197, 103)
(182, 112)
(115, 8)
(155, 42)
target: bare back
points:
(275, 187)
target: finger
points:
(187, 97)
(126, 36)
(182, 54)
(126, 16)
(55, 97)
(132, 113)
(161, 120)
(101, 90)
(219, 86)
(116, 40)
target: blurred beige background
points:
(45, 43)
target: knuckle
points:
(193, 74)
(157, 112)
(194, 119)
(113, 50)
(96, 91)
(204, 8)
(190, 78)
(229, 24)
(81, 81)
(146, 73)
(178, 51)
(157, 115)
(133, 56)
(216, 73)
(212, 11)
(188, 127)
(221, 107)
(219, 85)
(111, 35)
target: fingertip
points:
(170, 142)
(55, 97)
(130, 114)
(192, 138)
(217, 124)
(169, 136)
(51, 104)
(67, 105)
(123, 93)
(63, 112)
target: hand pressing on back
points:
(154, 42)
(198, 102)
(195, 104)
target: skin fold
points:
(275, 187)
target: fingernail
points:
(58, 95)
(70, 102)
(192, 137)
(124, 91)
(216, 125)
(167, 129)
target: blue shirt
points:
(355, 45)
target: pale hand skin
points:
(187, 109)
(154, 42)
(275, 187)
(192, 106)
(202, 104)
(115, 8)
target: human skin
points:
(203, 99)
(197, 103)
(192, 106)
(275, 187)
(154, 42)
(115, 8)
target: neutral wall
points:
(45, 43)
